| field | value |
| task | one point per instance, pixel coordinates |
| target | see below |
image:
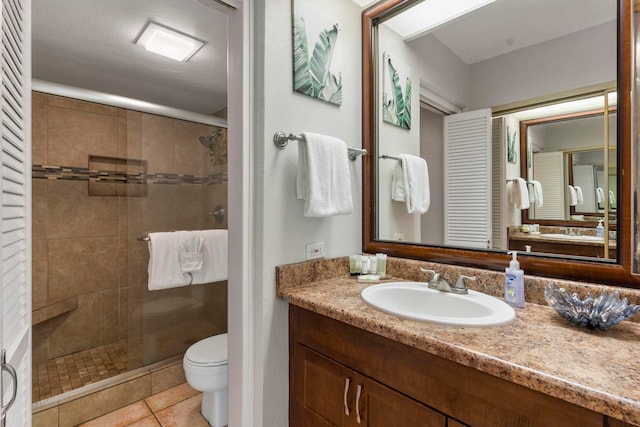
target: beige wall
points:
(84, 245)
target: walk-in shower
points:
(102, 177)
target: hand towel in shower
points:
(164, 263)
(410, 183)
(190, 245)
(600, 195)
(323, 179)
(215, 257)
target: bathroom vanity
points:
(556, 243)
(353, 365)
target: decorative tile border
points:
(91, 175)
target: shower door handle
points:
(14, 378)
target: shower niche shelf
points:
(50, 309)
(117, 176)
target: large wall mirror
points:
(523, 133)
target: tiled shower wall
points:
(89, 268)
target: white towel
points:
(579, 195)
(410, 183)
(189, 251)
(215, 255)
(537, 192)
(323, 178)
(612, 200)
(599, 195)
(170, 265)
(573, 196)
(518, 193)
(397, 184)
(164, 263)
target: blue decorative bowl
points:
(602, 312)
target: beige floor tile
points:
(122, 417)
(149, 421)
(170, 397)
(185, 413)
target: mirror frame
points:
(619, 273)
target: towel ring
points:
(281, 140)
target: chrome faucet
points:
(438, 282)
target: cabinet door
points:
(321, 390)
(379, 406)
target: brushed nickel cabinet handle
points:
(358, 392)
(347, 381)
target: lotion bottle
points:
(600, 229)
(514, 282)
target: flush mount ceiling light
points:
(429, 15)
(168, 42)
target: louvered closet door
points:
(15, 129)
(467, 157)
(548, 169)
(498, 182)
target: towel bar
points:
(510, 180)
(386, 156)
(281, 139)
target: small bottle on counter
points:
(365, 264)
(600, 229)
(355, 264)
(381, 263)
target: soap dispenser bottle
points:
(514, 282)
(600, 229)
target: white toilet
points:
(206, 368)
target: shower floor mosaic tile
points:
(73, 371)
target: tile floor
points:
(57, 376)
(176, 407)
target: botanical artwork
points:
(396, 92)
(512, 154)
(315, 72)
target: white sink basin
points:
(565, 237)
(415, 301)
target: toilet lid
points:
(209, 351)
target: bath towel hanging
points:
(518, 193)
(323, 179)
(579, 195)
(536, 189)
(573, 196)
(410, 183)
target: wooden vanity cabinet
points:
(402, 386)
(330, 394)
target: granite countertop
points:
(598, 370)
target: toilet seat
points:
(210, 351)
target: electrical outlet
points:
(398, 236)
(315, 250)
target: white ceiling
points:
(508, 25)
(90, 44)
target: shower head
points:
(208, 141)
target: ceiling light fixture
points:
(168, 42)
(429, 15)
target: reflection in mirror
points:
(537, 53)
(452, 95)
